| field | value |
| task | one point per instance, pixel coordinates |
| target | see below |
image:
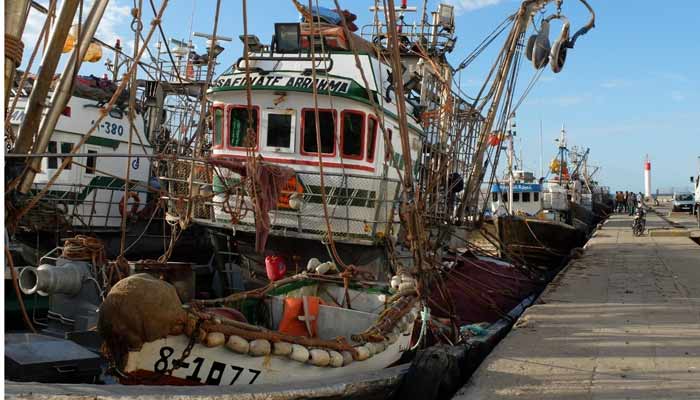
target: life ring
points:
(134, 206)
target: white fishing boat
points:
(88, 195)
(305, 332)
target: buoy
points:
(371, 347)
(299, 353)
(362, 353)
(312, 264)
(238, 344)
(275, 268)
(259, 347)
(336, 359)
(347, 357)
(281, 348)
(319, 357)
(295, 201)
(215, 339)
(379, 347)
(323, 268)
(395, 282)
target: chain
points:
(185, 353)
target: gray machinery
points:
(74, 295)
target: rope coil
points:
(14, 48)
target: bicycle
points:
(639, 223)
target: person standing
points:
(626, 200)
(632, 203)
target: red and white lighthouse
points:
(647, 177)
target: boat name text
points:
(285, 81)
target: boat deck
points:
(623, 321)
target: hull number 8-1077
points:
(208, 372)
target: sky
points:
(631, 87)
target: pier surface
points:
(621, 322)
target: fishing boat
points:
(536, 222)
(88, 195)
(323, 337)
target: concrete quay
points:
(621, 322)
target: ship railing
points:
(361, 209)
(87, 207)
(378, 34)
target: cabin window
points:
(279, 133)
(66, 149)
(352, 126)
(494, 197)
(327, 129)
(372, 125)
(516, 197)
(218, 127)
(238, 126)
(504, 197)
(536, 196)
(52, 162)
(526, 197)
(91, 162)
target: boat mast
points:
(63, 91)
(562, 149)
(16, 12)
(511, 152)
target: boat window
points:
(526, 197)
(536, 196)
(352, 127)
(91, 162)
(494, 197)
(504, 197)
(516, 196)
(52, 162)
(238, 126)
(65, 149)
(280, 129)
(218, 126)
(327, 130)
(372, 126)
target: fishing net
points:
(139, 309)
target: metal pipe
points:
(63, 91)
(42, 84)
(15, 19)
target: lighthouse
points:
(647, 178)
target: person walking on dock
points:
(625, 202)
(618, 201)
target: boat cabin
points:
(527, 198)
(360, 169)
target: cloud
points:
(614, 84)
(678, 96)
(463, 6)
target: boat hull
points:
(539, 242)
(221, 366)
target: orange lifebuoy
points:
(291, 187)
(134, 206)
